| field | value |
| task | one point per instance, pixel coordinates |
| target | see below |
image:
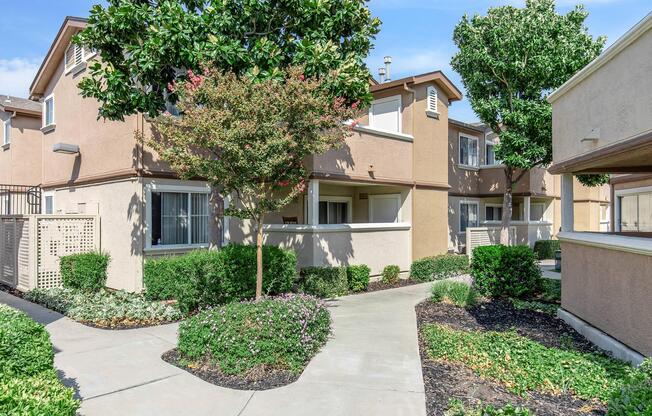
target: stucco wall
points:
(597, 288)
(20, 163)
(430, 222)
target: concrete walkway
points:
(371, 366)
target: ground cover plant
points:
(458, 409)
(635, 396)
(28, 380)
(253, 344)
(439, 267)
(457, 293)
(105, 308)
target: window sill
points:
(432, 114)
(494, 166)
(385, 133)
(80, 67)
(174, 248)
(468, 167)
(6, 146)
(48, 128)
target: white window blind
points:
(48, 114)
(179, 218)
(432, 99)
(468, 151)
(385, 114)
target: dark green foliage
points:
(358, 277)
(545, 249)
(391, 273)
(505, 271)
(86, 271)
(593, 180)
(280, 333)
(458, 293)
(324, 281)
(456, 408)
(28, 381)
(439, 267)
(191, 279)
(635, 396)
(550, 290)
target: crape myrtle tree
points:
(251, 137)
(509, 61)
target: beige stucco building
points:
(602, 123)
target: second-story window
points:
(6, 132)
(48, 111)
(468, 150)
(385, 114)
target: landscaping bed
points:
(380, 285)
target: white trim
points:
(635, 245)
(44, 124)
(334, 198)
(459, 150)
(490, 142)
(429, 103)
(611, 52)
(543, 218)
(459, 213)
(6, 131)
(616, 203)
(77, 67)
(385, 133)
(336, 228)
(492, 205)
(385, 100)
(397, 197)
(44, 195)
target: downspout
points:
(414, 186)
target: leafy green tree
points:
(146, 44)
(509, 61)
(250, 138)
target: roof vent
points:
(381, 74)
(388, 62)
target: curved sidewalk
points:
(370, 366)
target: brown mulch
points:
(258, 379)
(379, 285)
(444, 381)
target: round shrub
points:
(85, 271)
(38, 395)
(391, 274)
(505, 271)
(545, 249)
(358, 277)
(439, 267)
(324, 281)
(635, 396)
(279, 333)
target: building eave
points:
(438, 77)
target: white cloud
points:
(16, 75)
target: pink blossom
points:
(302, 77)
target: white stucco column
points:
(313, 202)
(567, 199)
(226, 222)
(526, 209)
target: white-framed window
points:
(431, 104)
(177, 216)
(633, 210)
(6, 131)
(385, 114)
(76, 55)
(605, 217)
(48, 111)
(489, 153)
(468, 150)
(493, 212)
(48, 203)
(537, 211)
(468, 214)
(385, 208)
(335, 209)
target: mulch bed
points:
(444, 381)
(379, 285)
(261, 379)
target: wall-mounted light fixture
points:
(65, 148)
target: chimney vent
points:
(381, 74)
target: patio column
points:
(567, 201)
(313, 202)
(526, 209)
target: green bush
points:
(324, 281)
(191, 279)
(635, 396)
(391, 274)
(358, 277)
(444, 266)
(86, 271)
(456, 408)
(279, 333)
(505, 271)
(545, 249)
(28, 381)
(458, 293)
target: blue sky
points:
(416, 33)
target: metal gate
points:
(14, 250)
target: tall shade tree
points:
(146, 44)
(509, 61)
(250, 138)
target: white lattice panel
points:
(485, 236)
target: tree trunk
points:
(507, 206)
(259, 258)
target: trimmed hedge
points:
(324, 281)
(282, 333)
(85, 271)
(505, 271)
(545, 249)
(391, 274)
(28, 381)
(439, 267)
(358, 277)
(635, 396)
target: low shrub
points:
(533, 305)
(37, 395)
(458, 293)
(105, 308)
(550, 290)
(280, 333)
(635, 396)
(545, 249)
(456, 408)
(391, 274)
(523, 365)
(505, 271)
(86, 271)
(191, 279)
(324, 281)
(439, 267)
(358, 277)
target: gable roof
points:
(438, 77)
(19, 105)
(71, 25)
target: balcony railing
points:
(20, 199)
